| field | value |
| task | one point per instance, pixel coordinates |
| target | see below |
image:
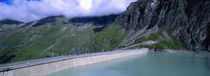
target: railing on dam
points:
(28, 63)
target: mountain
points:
(186, 20)
(154, 24)
(52, 20)
(100, 20)
(9, 24)
(50, 36)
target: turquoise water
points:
(151, 64)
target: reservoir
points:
(150, 64)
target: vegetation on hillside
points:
(45, 41)
(68, 39)
(163, 42)
(109, 39)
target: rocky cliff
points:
(187, 20)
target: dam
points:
(43, 67)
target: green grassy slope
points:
(45, 41)
(162, 41)
(109, 39)
(48, 41)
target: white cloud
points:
(86, 4)
(33, 10)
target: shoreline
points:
(182, 51)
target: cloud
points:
(29, 10)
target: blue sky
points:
(30, 10)
(6, 1)
(9, 2)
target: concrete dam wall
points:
(42, 67)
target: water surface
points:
(151, 64)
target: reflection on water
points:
(151, 64)
(207, 62)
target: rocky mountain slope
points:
(187, 20)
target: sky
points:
(30, 10)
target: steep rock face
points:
(188, 20)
